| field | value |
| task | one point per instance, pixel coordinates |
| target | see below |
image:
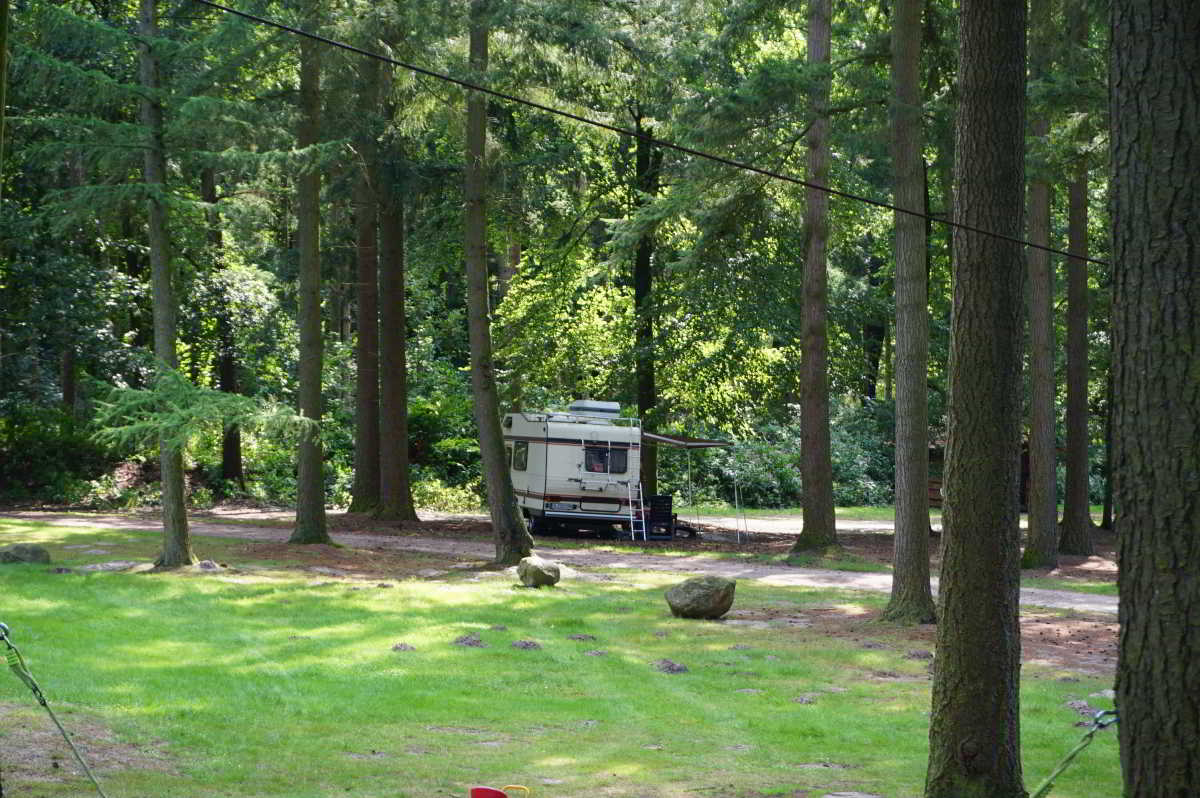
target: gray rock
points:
(667, 666)
(24, 553)
(535, 571)
(702, 597)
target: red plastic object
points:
(487, 792)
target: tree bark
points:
(395, 489)
(1077, 518)
(512, 538)
(648, 162)
(232, 470)
(365, 493)
(1041, 548)
(1154, 106)
(4, 15)
(912, 600)
(974, 737)
(177, 546)
(310, 490)
(816, 467)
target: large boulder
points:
(702, 597)
(24, 553)
(535, 571)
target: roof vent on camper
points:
(595, 409)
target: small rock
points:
(597, 652)
(1068, 679)
(403, 647)
(703, 597)
(871, 644)
(61, 571)
(1082, 707)
(535, 571)
(804, 699)
(750, 691)
(208, 565)
(470, 641)
(581, 637)
(919, 654)
(527, 645)
(25, 553)
(115, 565)
(667, 666)
(660, 634)
(384, 584)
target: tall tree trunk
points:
(177, 545)
(232, 470)
(912, 599)
(4, 9)
(648, 163)
(365, 493)
(395, 489)
(1154, 106)
(1106, 520)
(1041, 548)
(816, 466)
(1077, 518)
(310, 490)
(974, 730)
(512, 538)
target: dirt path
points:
(574, 557)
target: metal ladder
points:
(637, 520)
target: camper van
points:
(581, 467)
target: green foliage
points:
(430, 493)
(174, 411)
(47, 456)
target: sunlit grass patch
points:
(283, 682)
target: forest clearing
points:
(886, 311)
(284, 644)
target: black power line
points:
(637, 135)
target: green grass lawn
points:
(284, 682)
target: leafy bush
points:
(48, 456)
(430, 493)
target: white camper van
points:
(580, 467)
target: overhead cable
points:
(668, 145)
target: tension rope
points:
(17, 664)
(1102, 720)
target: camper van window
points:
(602, 460)
(508, 453)
(520, 458)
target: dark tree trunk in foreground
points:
(649, 163)
(310, 490)
(1154, 105)
(974, 730)
(816, 465)
(512, 538)
(177, 545)
(395, 489)
(365, 493)
(912, 600)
